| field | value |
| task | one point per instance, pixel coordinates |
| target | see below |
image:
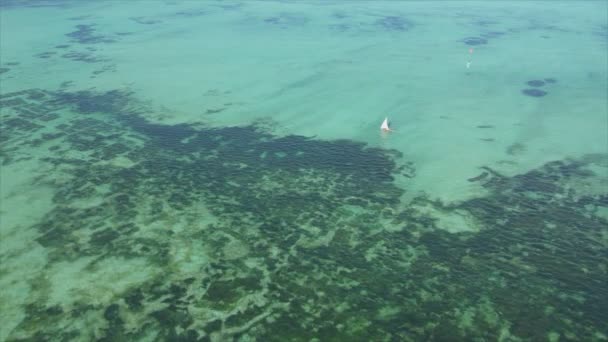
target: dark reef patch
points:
(478, 178)
(535, 83)
(80, 17)
(86, 57)
(10, 4)
(145, 20)
(537, 25)
(601, 31)
(45, 55)
(3, 70)
(485, 22)
(86, 102)
(534, 92)
(214, 111)
(191, 13)
(516, 148)
(85, 34)
(65, 84)
(104, 69)
(474, 41)
(339, 15)
(394, 23)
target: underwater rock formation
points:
(534, 92)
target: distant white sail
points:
(384, 126)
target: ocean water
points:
(215, 171)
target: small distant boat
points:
(384, 127)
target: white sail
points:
(384, 126)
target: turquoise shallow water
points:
(215, 171)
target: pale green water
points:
(209, 178)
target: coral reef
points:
(175, 232)
(85, 34)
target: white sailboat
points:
(384, 127)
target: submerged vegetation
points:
(192, 233)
